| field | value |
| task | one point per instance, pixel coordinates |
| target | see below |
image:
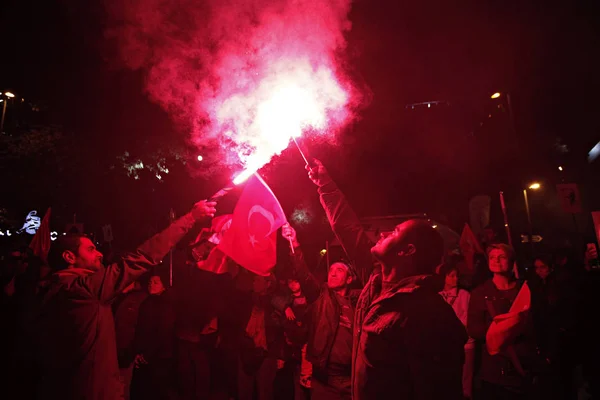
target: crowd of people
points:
(397, 319)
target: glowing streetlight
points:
(560, 168)
(200, 158)
(9, 94)
(533, 186)
(496, 95)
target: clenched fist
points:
(203, 209)
(318, 173)
(289, 234)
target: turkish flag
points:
(251, 239)
(469, 245)
(506, 327)
(40, 244)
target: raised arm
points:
(344, 222)
(310, 285)
(108, 282)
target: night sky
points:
(395, 159)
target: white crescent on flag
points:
(268, 216)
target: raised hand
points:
(289, 234)
(318, 173)
(289, 314)
(204, 209)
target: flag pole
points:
(515, 268)
(221, 192)
(301, 152)
(503, 205)
(249, 172)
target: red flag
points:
(469, 245)
(207, 241)
(251, 239)
(506, 327)
(40, 244)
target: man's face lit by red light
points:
(339, 276)
(498, 262)
(87, 257)
(390, 243)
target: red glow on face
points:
(248, 74)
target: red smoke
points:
(249, 74)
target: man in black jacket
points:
(78, 345)
(408, 342)
(329, 322)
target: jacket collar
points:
(406, 285)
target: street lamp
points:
(496, 95)
(533, 186)
(8, 95)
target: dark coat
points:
(408, 343)
(126, 309)
(77, 334)
(499, 369)
(323, 315)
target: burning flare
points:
(247, 74)
(292, 97)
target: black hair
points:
(545, 258)
(446, 268)
(428, 243)
(68, 242)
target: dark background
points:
(396, 159)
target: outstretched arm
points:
(107, 283)
(310, 285)
(344, 222)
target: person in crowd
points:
(126, 309)
(23, 375)
(153, 344)
(77, 344)
(544, 299)
(564, 284)
(505, 375)
(589, 346)
(292, 305)
(459, 300)
(329, 322)
(258, 341)
(408, 342)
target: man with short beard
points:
(408, 342)
(77, 334)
